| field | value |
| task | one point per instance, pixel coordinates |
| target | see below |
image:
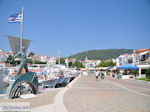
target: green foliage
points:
(135, 72)
(77, 64)
(145, 79)
(106, 64)
(13, 62)
(35, 62)
(31, 54)
(10, 61)
(30, 61)
(101, 54)
(148, 73)
(70, 64)
(9, 57)
(62, 61)
(39, 62)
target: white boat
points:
(60, 80)
(50, 83)
(67, 79)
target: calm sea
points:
(2, 84)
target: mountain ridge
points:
(101, 54)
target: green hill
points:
(101, 54)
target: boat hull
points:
(60, 80)
(49, 83)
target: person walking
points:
(96, 75)
(102, 75)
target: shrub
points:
(148, 73)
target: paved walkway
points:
(43, 99)
(89, 95)
(142, 87)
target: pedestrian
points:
(118, 76)
(102, 75)
(96, 75)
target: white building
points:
(2, 65)
(3, 58)
(141, 58)
(42, 58)
(124, 59)
(90, 63)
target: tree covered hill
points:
(101, 54)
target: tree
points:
(101, 54)
(30, 61)
(148, 73)
(70, 64)
(39, 62)
(31, 54)
(78, 64)
(62, 61)
(9, 60)
(135, 72)
(106, 64)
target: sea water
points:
(2, 83)
(2, 88)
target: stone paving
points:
(136, 85)
(45, 98)
(89, 95)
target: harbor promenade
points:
(42, 99)
(85, 94)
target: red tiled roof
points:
(71, 59)
(2, 62)
(141, 50)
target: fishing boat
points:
(51, 83)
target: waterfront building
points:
(140, 58)
(124, 59)
(2, 65)
(70, 60)
(90, 63)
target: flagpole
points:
(21, 29)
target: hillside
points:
(101, 54)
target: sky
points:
(73, 26)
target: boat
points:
(60, 80)
(51, 83)
(67, 79)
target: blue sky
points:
(73, 26)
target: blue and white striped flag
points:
(15, 18)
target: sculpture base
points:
(24, 83)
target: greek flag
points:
(15, 18)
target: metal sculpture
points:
(29, 78)
(23, 62)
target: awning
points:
(128, 66)
(111, 67)
(143, 53)
(144, 66)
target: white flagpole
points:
(21, 28)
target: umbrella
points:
(110, 67)
(128, 66)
